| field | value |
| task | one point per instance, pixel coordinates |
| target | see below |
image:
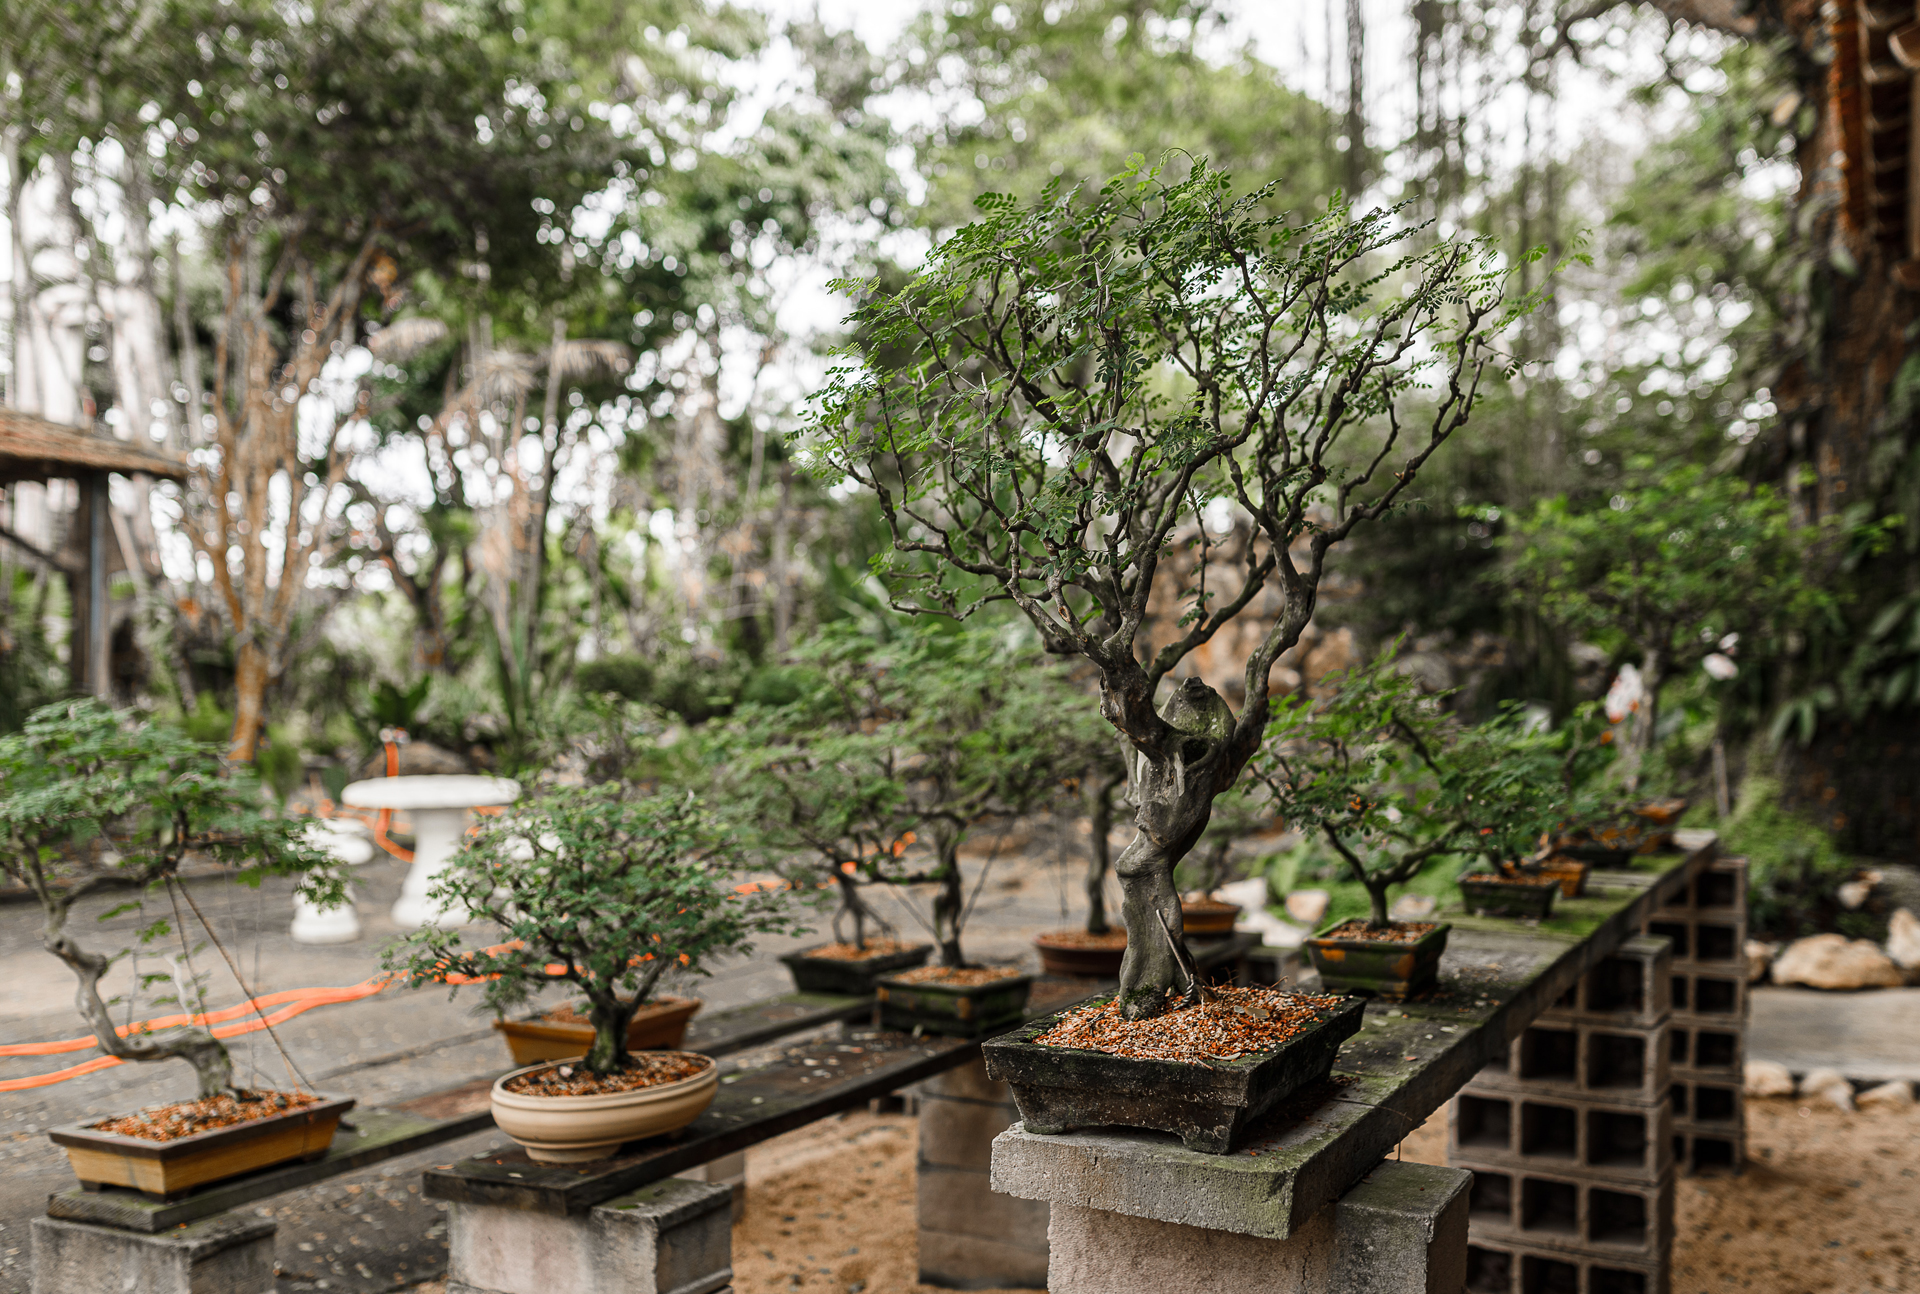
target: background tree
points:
(1078, 377)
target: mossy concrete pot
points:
(849, 978)
(1383, 967)
(1496, 896)
(1209, 1107)
(955, 1010)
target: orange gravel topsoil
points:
(859, 952)
(184, 1118)
(649, 1069)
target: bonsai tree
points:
(1678, 565)
(876, 774)
(603, 888)
(1392, 782)
(93, 801)
(1059, 395)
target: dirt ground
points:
(1829, 1202)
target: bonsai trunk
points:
(199, 1048)
(950, 900)
(852, 905)
(1173, 791)
(611, 1015)
(1377, 883)
(1100, 787)
(1640, 730)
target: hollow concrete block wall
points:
(972, 1237)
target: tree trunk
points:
(20, 394)
(1173, 794)
(251, 676)
(950, 900)
(1100, 788)
(610, 1019)
(206, 1053)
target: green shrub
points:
(1793, 868)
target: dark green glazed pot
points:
(1381, 967)
(851, 978)
(1490, 896)
(956, 1010)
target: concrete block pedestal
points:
(1402, 1229)
(971, 1237)
(671, 1237)
(226, 1254)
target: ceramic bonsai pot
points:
(168, 1168)
(1570, 872)
(1209, 1107)
(576, 1129)
(1205, 916)
(1395, 969)
(1603, 847)
(847, 977)
(1504, 896)
(660, 1025)
(956, 1010)
(1077, 953)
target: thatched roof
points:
(33, 449)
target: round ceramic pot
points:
(1063, 956)
(575, 1129)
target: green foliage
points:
(897, 743)
(1391, 782)
(621, 889)
(1068, 90)
(82, 782)
(1793, 867)
(624, 675)
(30, 673)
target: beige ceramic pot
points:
(574, 1129)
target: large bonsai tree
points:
(1050, 405)
(892, 753)
(93, 802)
(1392, 782)
(598, 886)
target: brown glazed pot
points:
(660, 1025)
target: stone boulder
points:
(1760, 957)
(1308, 907)
(1897, 1095)
(1903, 943)
(1835, 962)
(1764, 1078)
(1828, 1086)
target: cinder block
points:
(1579, 1058)
(1629, 989)
(1599, 1142)
(1561, 1211)
(1716, 997)
(1720, 889)
(1494, 1268)
(959, 1134)
(970, 1262)
(229, 1253)
(1707, 1051)
(671, 1237)
(1701, 1151)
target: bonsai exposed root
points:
(1197, 994)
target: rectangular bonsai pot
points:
(845, 978)
(167, 1168)
(956, 1010)
(1209, 1107)
(1386, 968)
(1490, 897)
(657, 1026)
(1570, 872)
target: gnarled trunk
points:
(1173, 794)
(949, 900)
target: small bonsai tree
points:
(1392, 782)
(606, 889)
(92, 801)
(1059, 395)
(892, 753)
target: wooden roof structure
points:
(33, 449)
(1877, 48)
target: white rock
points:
(1903, 941)
(1854, 893)
(1759, 958)
(1835, 962)
(1768, 1078)
(1897, 1095)
(1248, 894)
(1308, 906)
(1413, 907)
(1828, 1085)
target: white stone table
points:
(440, 807)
